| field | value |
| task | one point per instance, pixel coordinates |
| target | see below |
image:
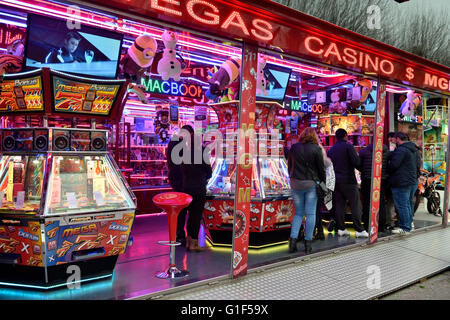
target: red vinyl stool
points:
(172, 203)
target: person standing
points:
(176, 182)
(345, 160)
(195, 174)
(327, 201)
(306, 169)
(365, 168)
(404, 170)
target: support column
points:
(377, 161)
(245, 142)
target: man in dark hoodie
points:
(404, 170)
(366, 182)
(345, 160)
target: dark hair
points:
(391, 134)
(309, 135)
(188, 128)
(402, 136)
(72, 34)
(341, 133)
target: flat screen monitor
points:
(371, 102)
(84, 50)
(278, 80)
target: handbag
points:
(322, 189)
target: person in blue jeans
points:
(306, 169)
(404, 170)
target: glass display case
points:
(85, 184)
(21, 179)
(272, 208)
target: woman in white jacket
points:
(327, 200)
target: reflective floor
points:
(135, 271)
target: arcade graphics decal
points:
(85, 98)
(377, 162)
(21, 242)
(22, 95)
(244, 156)
(66, 242)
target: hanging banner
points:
(245, 150)
(377, 162)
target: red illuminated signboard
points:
(245, 155)
(377, 162)
(255, 24)
(72, 96)
(22, 95)
(9, 34)
(171, 88)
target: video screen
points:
(371, 103)
(278, 79)
(83, 51)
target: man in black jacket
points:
(345, 160)
(404, 170)
(365, 168)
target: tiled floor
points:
(135, 270)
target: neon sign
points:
(172, 88)
(303, 106)
(209, 14)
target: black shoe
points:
(319, 235)
(292, 245)
(308, 246)
(331, 226)
(182, 241)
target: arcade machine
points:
(64, 202)
(272, 209)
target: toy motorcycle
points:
(427, 189)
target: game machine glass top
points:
(21, 178)
(85, 184)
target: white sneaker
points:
(362, 234)
(400, 231)
(412, 226)
(343, 233)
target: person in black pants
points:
(366, 179)
(345, 160)
(176, 182)
(195, 174)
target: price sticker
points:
(99, 198)
(72, 200)
(20, 199)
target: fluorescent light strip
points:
(53, 286)
(14, 23)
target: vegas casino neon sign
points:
(211, 16)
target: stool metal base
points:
(172, 273)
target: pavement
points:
(433, 288)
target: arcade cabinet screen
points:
(82, 51)
(278, 79)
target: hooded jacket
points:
(366, 162)
(404, 165)
(345, 160)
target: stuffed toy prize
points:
(410, 104)
(261, 81)
(169, 66)
(11, 62)
(224, 77)
(138, 61)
